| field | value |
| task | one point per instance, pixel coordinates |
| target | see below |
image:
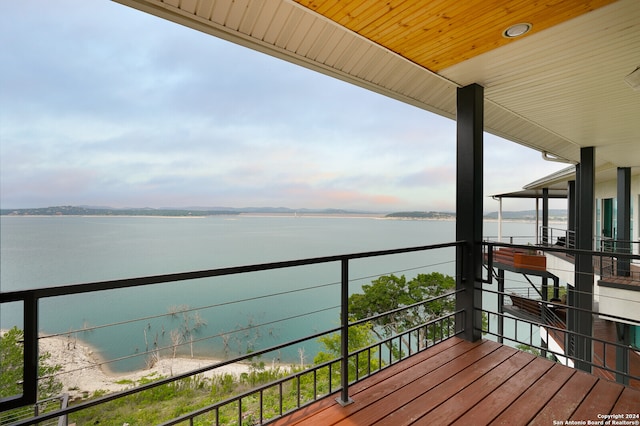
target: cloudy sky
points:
(104, 105)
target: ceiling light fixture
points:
(517, 30)
(633, 79)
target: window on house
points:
(607, 223)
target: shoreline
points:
(83, 374)
(292, 215)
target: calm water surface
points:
(234, 313)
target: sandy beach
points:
(82, 373)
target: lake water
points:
(239, 313)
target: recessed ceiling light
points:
(517, 30)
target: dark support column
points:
(624, 220)
(500, 305)
(545, 237)
(571, 300)
(30, 372)
(344, 398)
(624, 264)
(583, 298)
(545, 216)
(469, 175)
(571, 213)
(577, 213)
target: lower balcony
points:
(425, 372)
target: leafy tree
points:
(359, 337)
(390, 292)
(12, 367)
(384, 294)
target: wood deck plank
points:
(605, 330)
(462, 401)
(602, 397)
(412, 410)
(387, 381)
(628, 403)
(432, 357)
(472, 384)
(524, 409)
(566, 400)
(491, 406)
(424, 382)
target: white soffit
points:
(569, 80)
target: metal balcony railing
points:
(325, 378)
(550, 236)
(543, 322)
(614, 263)
(319, 381)
(40, 408)
(609, 265)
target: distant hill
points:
(422, 215)
(165, 211)
(106, 211)
(554, 214)
(287, 210)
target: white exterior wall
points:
(619, 302)
(562, 269)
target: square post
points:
(571, 214)
(31, 357)
(344, 398)
(500, 305)
(545, 217)
(469, 193)
(623, 243)
(582, 322)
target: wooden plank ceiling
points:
(438, 34)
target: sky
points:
(103, 105)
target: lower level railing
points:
(551, 326)
(550, 236)
(39, 409)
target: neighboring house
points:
(616, 289)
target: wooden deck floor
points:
(463, 383)
(604, 330)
